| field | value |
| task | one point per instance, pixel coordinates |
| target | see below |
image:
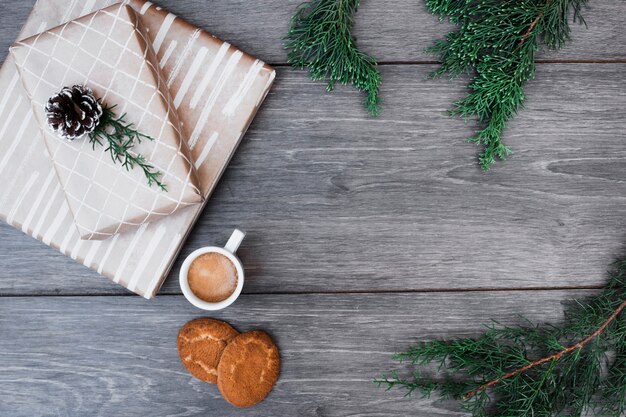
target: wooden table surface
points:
(364, 234)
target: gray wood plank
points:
(334, 201)
(107, 356)
(13, 14)
(390, 30)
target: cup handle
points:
(235, 240)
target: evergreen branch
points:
(573, 369)
(120, 137)
(497, 41)
(320, 39)
(531, 27)
(554, 357)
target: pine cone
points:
(73, 112)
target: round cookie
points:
(248, 369)
(200, 346)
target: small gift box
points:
(110, 53)
(217, 89)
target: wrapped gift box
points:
(109, 52)
(216, 88)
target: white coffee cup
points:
(228, 251)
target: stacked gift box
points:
(191, 92)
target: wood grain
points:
(389, 30)
(106, 356)
(335, 201)
(13, 14)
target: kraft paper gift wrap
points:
(216, 89)
(109, 52)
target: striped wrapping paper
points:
(216, 89)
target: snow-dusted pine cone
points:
(73, 112)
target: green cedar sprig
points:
(570, 370)
(497, 41)
(320, 39)
(120, 137)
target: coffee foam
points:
(212, 277)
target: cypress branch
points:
(120, 137)
(554, 357)
(497, 41)
(572, 369)
(320, 39)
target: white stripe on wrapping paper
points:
(20, 198)
(54, 226)
(268, 83)
(17, 140)
(208, 75)
(145, 7)
(88, 7)
(182, 57)
(69, 11)
(205, 151)
(168, 54)
(24, 160)
(169, 254)
(191, 73)
(128, 252)
(9, 119)
(146, 256)
(107, 253)
(9, 92)
(219, 86)
(37, 203)
(66, 240)
(7, 123)
(160, 36)
(76, 248)
(44, 215)
(95, 245)
(234, 102)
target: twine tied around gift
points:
(75, 112)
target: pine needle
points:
(574, 369)
(497, 41)
(320, 39)
(120, 137)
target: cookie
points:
(200, 346)
(248, 369)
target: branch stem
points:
(120, 138)
(554, 357)
(531, 27)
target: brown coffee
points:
(212, 277)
